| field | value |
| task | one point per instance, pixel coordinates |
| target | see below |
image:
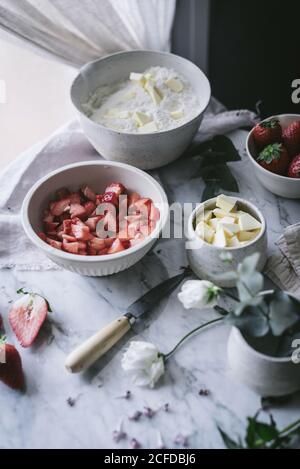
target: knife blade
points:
(96, 346)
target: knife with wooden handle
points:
(97, 345)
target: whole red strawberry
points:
(291, 138)
(267, 132)
(294, 168)
(11, 371)
(27, 316)
(274, 158)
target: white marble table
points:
(42, 418)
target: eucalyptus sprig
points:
(213, 156)
(261, 435)
(259, 312)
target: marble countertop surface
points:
(43, 417)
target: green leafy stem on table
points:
(213, 156)
(261, 435)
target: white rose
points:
(198, 294)
(144, 362)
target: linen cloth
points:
(78, 31)
(283, 267)
(69, 145)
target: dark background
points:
(252, 49)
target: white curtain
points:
(76, 31)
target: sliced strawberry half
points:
(27, 316)
(89, 193)
(11, 371)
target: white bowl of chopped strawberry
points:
(273, 147)
(95, 218)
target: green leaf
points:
(22, 291)
(228, 442)
(227, 180)
(211, 190)
(244, 304)
(259, 433)
(223, 143)
(249, 285)
(252, 322)
(284, 312)
(249, 264)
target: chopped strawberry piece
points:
(27, 316)
(67, 225)
(125, 243)
(154, 213)
(48, 217)
(89, 207)
(115, 187)
(152, 226)
(68, 238)
(92, 222)
(51, 226)
(58, 208)
(73, 248)
(42, 235)
(103, 252)
(54, 244)
(89, 193)
(77, 210)
(91, 251)
(81, 232)
(75, 198)
(117, 246)
(133, 229)
(133, 197)
(140, 207)
(107, 226)
(97, 244)
(108, 198)
(62, 193)
(109, 242)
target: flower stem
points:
(166, 356)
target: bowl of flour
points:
(140, 107)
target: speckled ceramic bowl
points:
(279, 185)
(204, 258)
(97, 174)
(145, 151)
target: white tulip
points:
(198, 294)
(144, 362)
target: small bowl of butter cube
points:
(224, 228)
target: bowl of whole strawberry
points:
(273, 147)
(95, 218)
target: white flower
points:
(198, 294)
(144, 363)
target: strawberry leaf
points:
(269, 124)
(270, 153)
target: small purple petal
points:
(136, 416)
(119, 435)
(181, 439)
(166, 407)
(135, 444)
(148, 412)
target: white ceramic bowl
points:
(145, 151)
(264, 374)
(279, 185)
(204, 258)
(97, 175)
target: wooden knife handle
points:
(97, 345)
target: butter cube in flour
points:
(141, 118)
(219, 213)
(230, 228)
(233, 242)
(214, 223)
(148, 128)
(138, 78)
(226, 203)
(177, 114)
(247, 222)
(204, 231)
(155, 94)
(174, 84)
